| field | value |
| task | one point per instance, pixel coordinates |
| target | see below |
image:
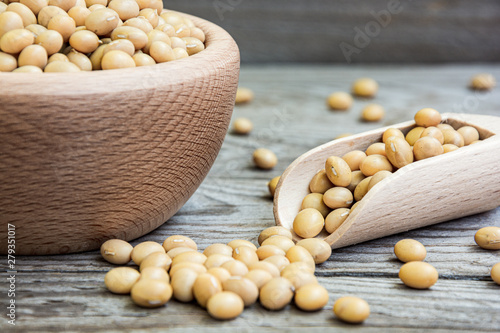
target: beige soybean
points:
(96, 7)
(243, 95)
(427, 117)
(315, 200)
(176, 42)
(376, 148)
(120, 280)
(469, 134)
(35, 5)
(182, 283)
(205, 286)
(242, 126)
(142, 59)
(339, 101)
(154, 4)
(392, 132)
(407, 250)
(266, 266)
(449, 148)
(125, 9)
(220, 273)
(338, 171)
(335, 219)
(51, 40)
(308, 223)
(488, 238)
(218, 248)
(122, 45)
(151, 293)
(63, 4)
(444, 126)
(161, 52)
(398, 151)
(362, 188)
(63, 24)
(338, 197)
(418, 275)
(259, 277)
(192, 256)
(243, 287)
(320, 182)
(354, 159)
(372, 113)
(453, 137)
(300, 254)
(427, 147)
(225, 305)
(139, 23)
(14, 41)
(151, 15)
(353, 310)
(241, 242)
(172, 253)
(279, 261)
(356, 178)
(375, 163)
(10, 21)
(116, 59)
(116, 251)
(167, 29)
(154, 273)
(102, 21)
(434, 132)
(311, 297)
(182, 30)
(36, 29)
(193, 45)
(84, 41)
(33, 55)
(414, 134)
(299, 278)
(156, 259)
(271, 185)
(246, 255)
(138, 37)
(79, 14)
(235, 267)
(495, 273)
(273, 231)
(365, 87)
(377, 178)
(198, 268)
(264, 158)
(198, 34)
(298, 266)
(179, 241)
(217, 260)
(318, 248)
(276, 294)
(142, 250)
(483, 81)
(47, 13)
(28, 69)
(59, 57)
(22, 10)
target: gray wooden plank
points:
(300, 30)
(66, 292)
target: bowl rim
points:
(219, 45)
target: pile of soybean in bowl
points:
(345, 180)
(86, 35)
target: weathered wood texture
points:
(438, 195)
(66, 292)
(90, 156)
(301, 30)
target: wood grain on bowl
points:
(85, 157)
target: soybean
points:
(311, 297)
(418, 275)
(488, 238)
(353, 310)
(407, 250)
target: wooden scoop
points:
(425, 192)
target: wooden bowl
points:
(89, 156)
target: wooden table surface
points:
(67, 293)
